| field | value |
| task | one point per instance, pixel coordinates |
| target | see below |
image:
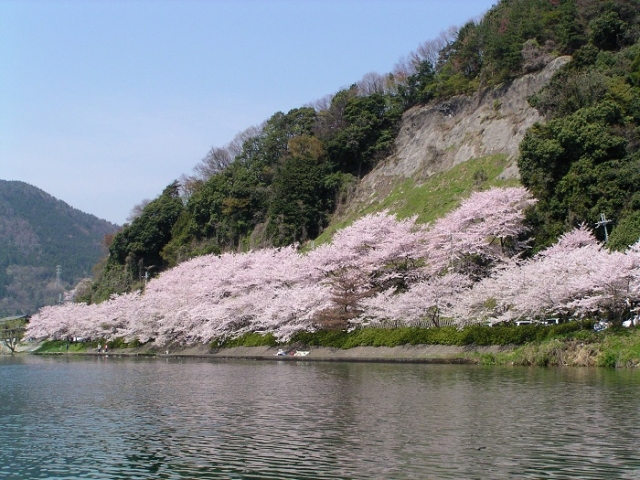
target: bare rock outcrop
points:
(436, 137)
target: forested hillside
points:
(38, 233)
(281, 183)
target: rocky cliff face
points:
(437, 137)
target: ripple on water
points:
(142, 419)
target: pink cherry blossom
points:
(379, 271)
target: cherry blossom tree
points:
(422, 305)
(483, 231)
(373, 243)
(378, 271)
(377, 252)
(574, 277)
(348, 287)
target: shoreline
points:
(616, 349)
(433, 354)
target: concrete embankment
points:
(437, 354)
(615, 350)
(400, 354)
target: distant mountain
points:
(38, 233)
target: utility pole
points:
(146, 275)
(59, 282)
(603, 223)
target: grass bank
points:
(63, 346)
(434, 197)
(614, 348)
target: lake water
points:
(111, 418)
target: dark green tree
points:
(607, 30)
(419, 87)
(578, 167)
(139, 244)
(626, 233)
(301, 194)
(367, 126)
(225, 210)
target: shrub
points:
(250, 340)
(472, 335)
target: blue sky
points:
(104, 103)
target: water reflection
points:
(149, 418)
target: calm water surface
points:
(114, 418)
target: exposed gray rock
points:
(436, 137)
